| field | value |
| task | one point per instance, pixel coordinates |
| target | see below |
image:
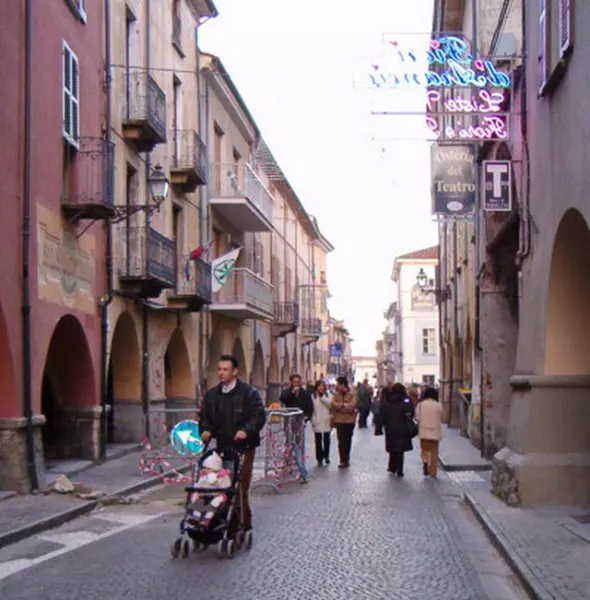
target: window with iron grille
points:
(71, 96)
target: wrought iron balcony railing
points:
(88, 191)
(286, 318)
(147, 259)
(248, 293)
(198, 285)
(144, 111)
(311, 327)
(189, 162)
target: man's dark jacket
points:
(223, 415)
(304, 401)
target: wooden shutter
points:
(71, 96)
(566, 25)
(543, 45)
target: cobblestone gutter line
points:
(529, 580)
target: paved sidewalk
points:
(457, 453)
(548, 548)
(23, 516)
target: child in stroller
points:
(210, 503)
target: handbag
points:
(412, 427)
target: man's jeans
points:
(299, 456)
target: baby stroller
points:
(208, 511)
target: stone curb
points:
(528, 579)
(462, 467)
(57, 519)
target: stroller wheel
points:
(221, 547)
(186, 548)
(240, 539)
(176, 547)
(230, 549)
(248, 540)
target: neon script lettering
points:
(482, 102)
(490, 128)
(459, 68)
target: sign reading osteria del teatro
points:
(454, 179)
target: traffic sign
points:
(186, 438)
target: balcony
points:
(240, 198)
(144, 111)
(189, 163)
(310, 330)
(147, 261)
(88, 193)
(195, 292)
(244, 296)
(286, 318)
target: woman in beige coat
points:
(429, 417)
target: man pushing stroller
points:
(233, 413)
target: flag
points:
(195, 255)
(222, 267)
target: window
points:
(71, 97)
(555, 41)
(177, 27)
(428, 341)
(428, 380)
(82, 9)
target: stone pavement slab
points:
(457, 453)
(548, 548)
(23, 516)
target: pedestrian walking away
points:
(296, 396)
(233, 414)
(365, 402)
(429, 415)
(320, 422)
(396, 413)
(344, 409)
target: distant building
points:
(411, 340)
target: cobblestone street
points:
(360, 534)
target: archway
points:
(567, 343)
(273, 376)
(178, 385)
(10, 405)
(125, 420)
(238, 352)
(258, 379)
(68, 384)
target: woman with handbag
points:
(321, 422)
(397, 414)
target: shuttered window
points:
(71, 96)
(565, 26)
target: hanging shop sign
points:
(454, 179)
(497, 185)
(466, 96)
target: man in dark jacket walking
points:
(365, 402)
(233, 413)
(296, 396)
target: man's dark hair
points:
(342, 380)
(430, 393)
(293, 376)
(230, 358)
(399, 388)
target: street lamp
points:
(421, 279)
(158, 185)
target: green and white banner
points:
(222, 267)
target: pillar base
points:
(128, 422)
(273, 393)
(13, 454)
(81, 428)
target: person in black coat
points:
(396, 411)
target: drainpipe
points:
(108, 297)
(26, 251)
(299, 295)
(205, 191)
(455, 302)
(145, 387)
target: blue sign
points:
(336, 349)
(186, 438)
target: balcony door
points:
(178, 242)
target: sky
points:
(298, 66)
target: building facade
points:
(365, 367)
(53, 210)
(412, 333)
(146, 167)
